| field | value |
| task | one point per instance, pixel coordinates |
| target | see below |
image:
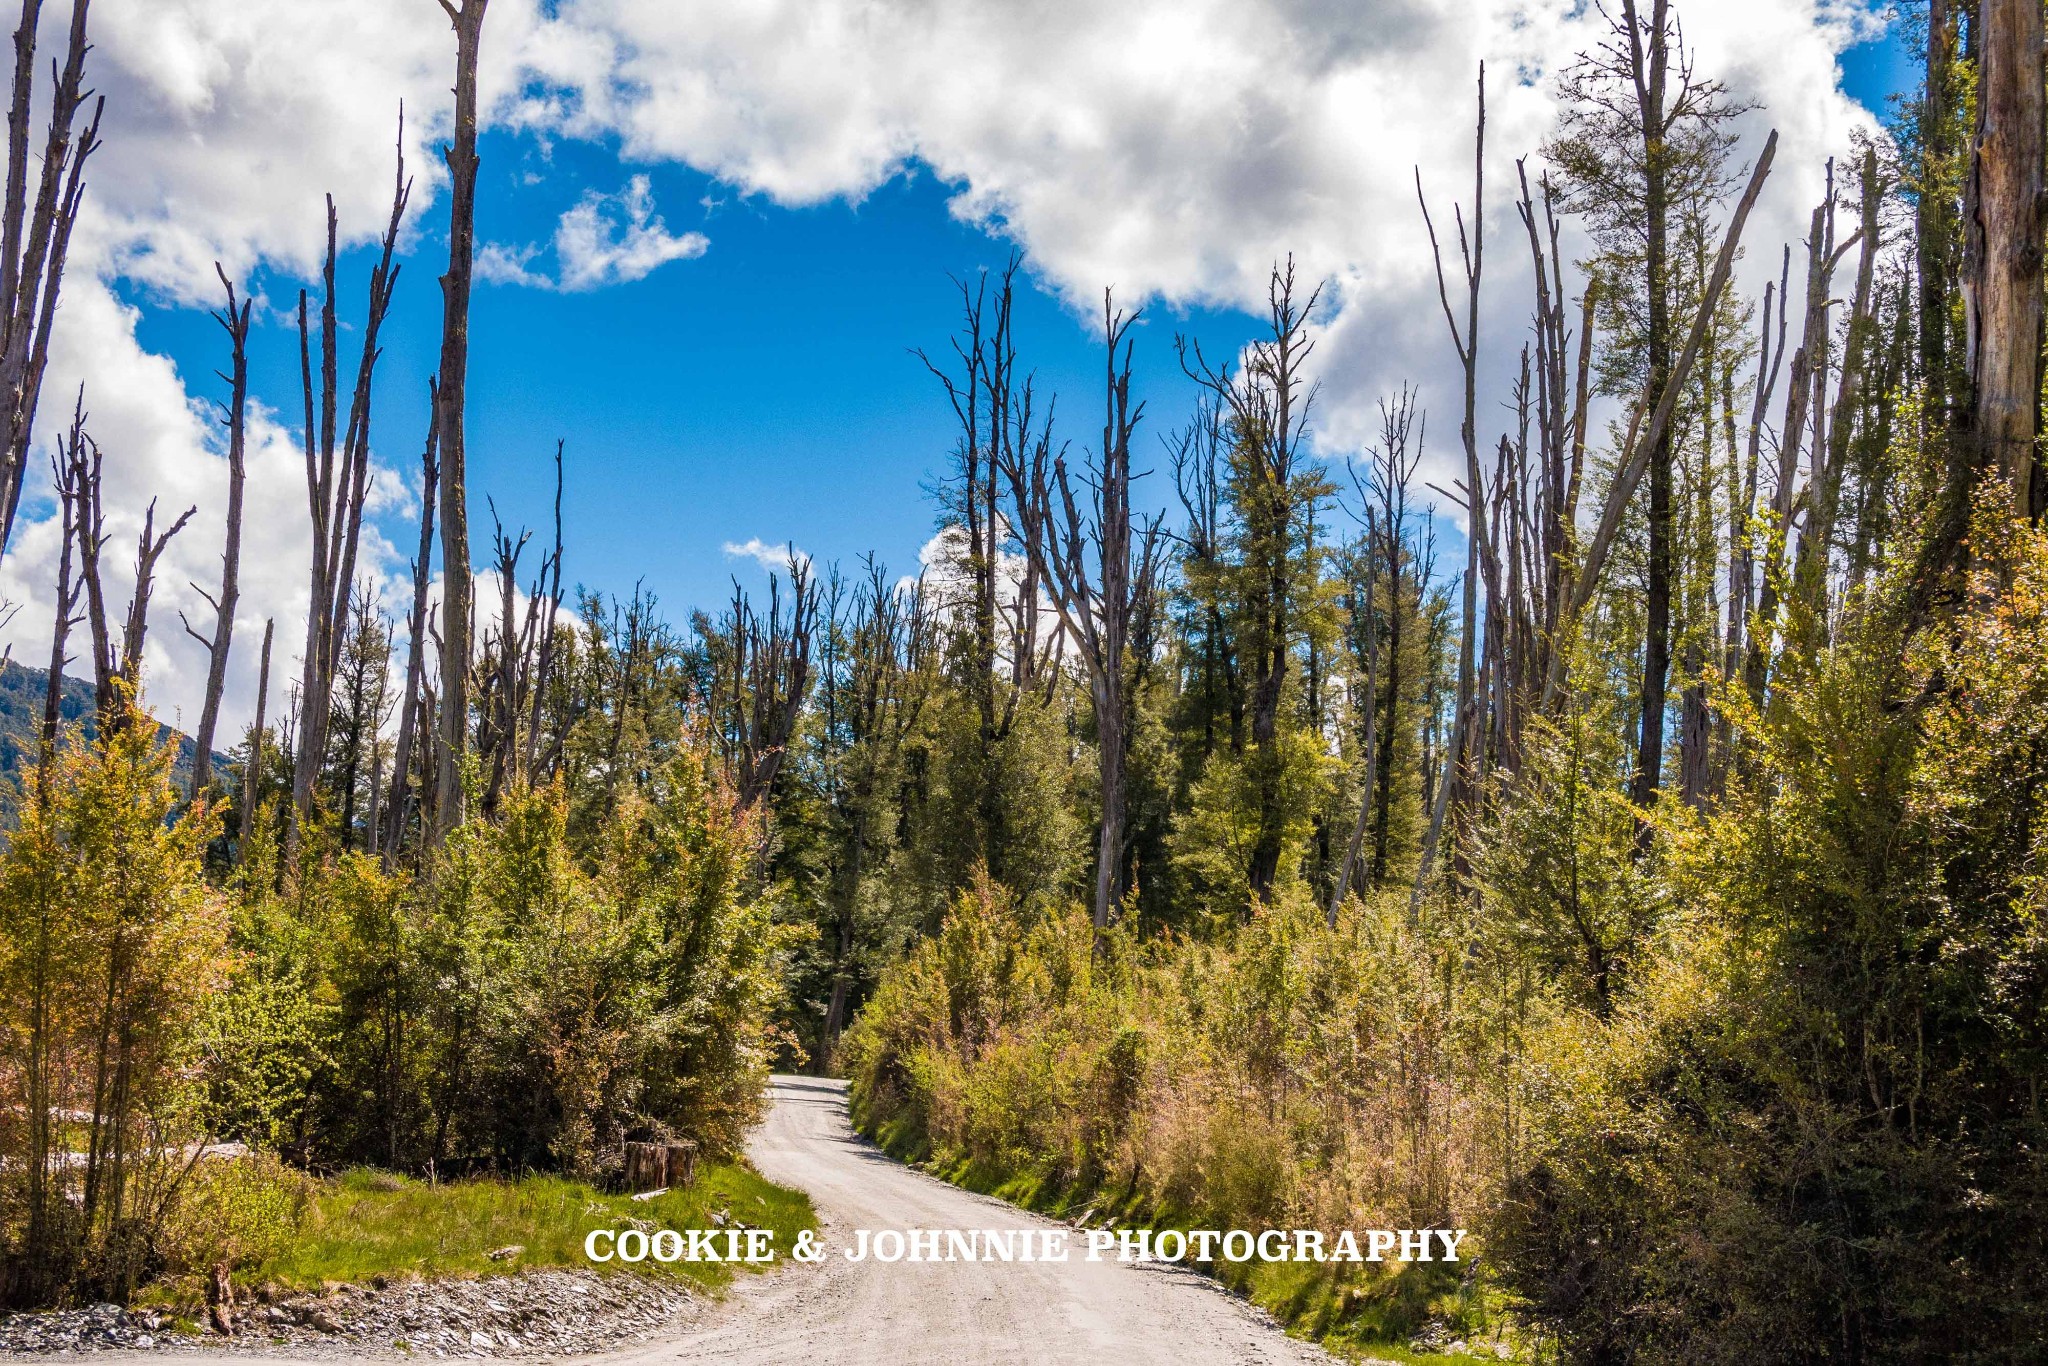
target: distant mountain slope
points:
(21, 720)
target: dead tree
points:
(544, 664)
(873, 681)
(1383, 491)
(36, 238)
(1468, 720)
(1803, 405)
(508, 673)
(397, 808)
(117, 665)
(65, 469)
(2002, 240)
(998, 414)
(1096, 608)
(461, 156)
(1267, 402)
(337, 482)
(764, 678)
(1642, 436)
(1834, 428)
(235, 319)
(252, 769)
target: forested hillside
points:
(24, 693)
(1628, 849)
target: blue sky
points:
(766, 389)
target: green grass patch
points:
(366, 1224)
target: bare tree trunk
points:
(468, 21)
(395, 810)
(135, 634)
(2003, 232)
(66, 467)
(1096, 611)
(1466, 720)
(252, 771)
(1652, 69)
(545, 664)
(1630, 475)
(336, 486)
(1830, 461)
(35, 240)
(236, 320)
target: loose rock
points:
(533, 1313)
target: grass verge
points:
(364, 1225)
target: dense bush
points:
(1286, 1074)
(521, 1003)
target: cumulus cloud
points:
(1171, 148)
(1177, 148)
(604, 240)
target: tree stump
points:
(681, 1163)
(646, 1166)
(220, 1301)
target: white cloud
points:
(1176, 148)
(773, 559)
(1172, 148)
(614, 239)
(604, 240)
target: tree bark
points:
(396, 809)
(1652, 69)
(236, 320)
(468, 21)
(2002, 295)
(35, 240)
(252, 770)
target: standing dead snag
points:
(1468, 719)
(1833, 427)
(1586, 577)
(236, 320)
(65, 468)
(35, 239)
(544, 662)
(1096, 612)
(337, 482)
(398, 808)
(117, 666)
(2003, 245)
(468, 21)
(763, 679)
(252, 769)
(507, 673)
(1275, 489)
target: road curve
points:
(869, 1314)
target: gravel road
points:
(906, 1314)
(865, 1314)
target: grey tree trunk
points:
(252, 771)
(2002, 237)
(236, 320)
(461, 156)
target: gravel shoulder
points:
(862, 1314)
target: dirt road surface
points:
(866, 1314)
(906, 1314)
